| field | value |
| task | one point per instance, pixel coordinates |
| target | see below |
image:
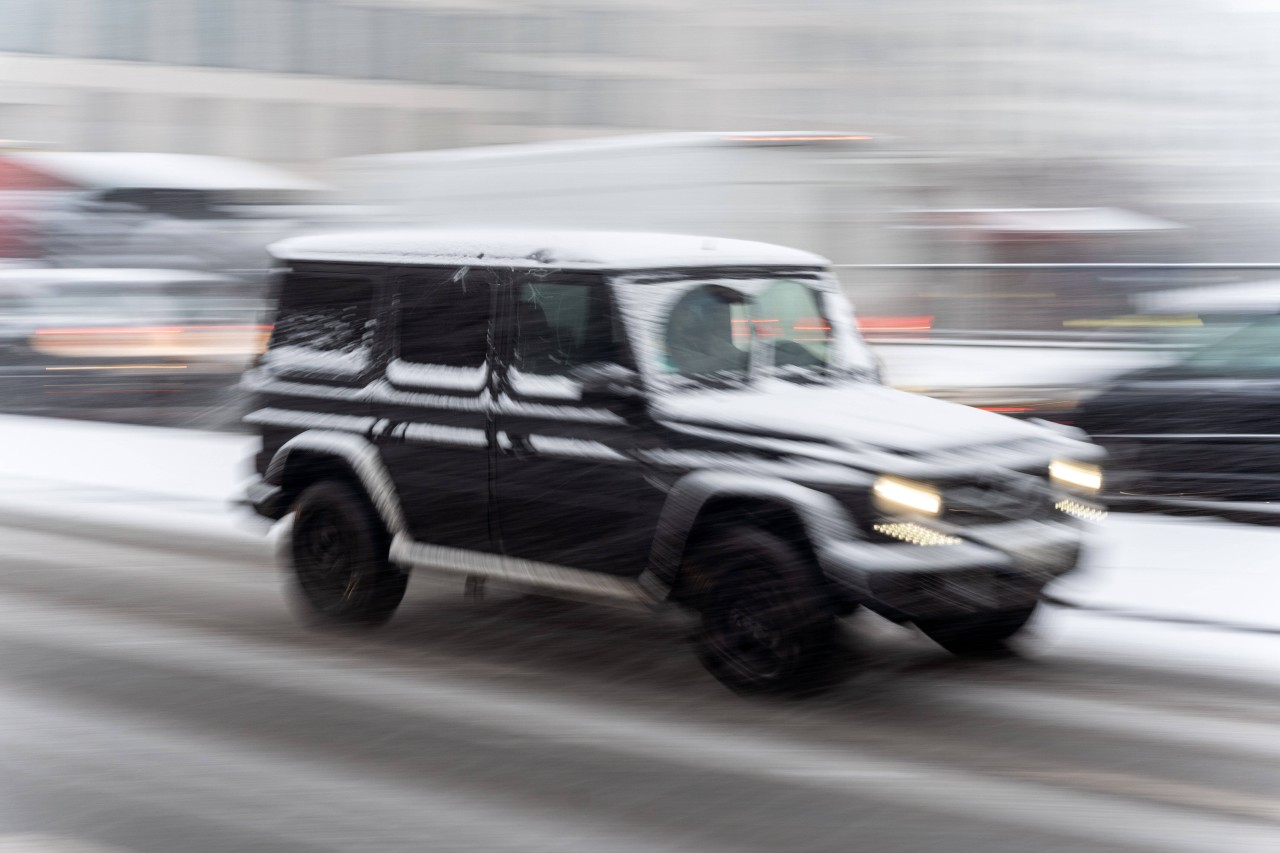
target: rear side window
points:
(325, 322)
(444, 318)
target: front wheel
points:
(767, 627)
(341, 572)
(977, 633)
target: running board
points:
(549, 578)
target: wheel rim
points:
(325, 568)
(750, 638)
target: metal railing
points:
(927, 289)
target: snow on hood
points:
(855, 416)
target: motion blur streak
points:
(1060, 214)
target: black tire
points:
(767, 625)
(977, 634)
(339, 548)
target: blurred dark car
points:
(123, 337)
(1203, 432)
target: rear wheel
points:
(341, 572)
(977, 633)
(767, 626)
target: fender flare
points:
(824, 520)
(360, 455)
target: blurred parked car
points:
(119, 337)
(1199, 433)
(132, 209)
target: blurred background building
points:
(300, 80)
(1167, 107)
(1050, 132)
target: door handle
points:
(518, 446)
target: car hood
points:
(855, 416)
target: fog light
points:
(916, 534)
(1077, 509)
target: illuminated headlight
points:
(1080, 475)
(894, 495)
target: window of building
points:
(263, 35)
(121, 29)
(393, 43)
(352, 56)
(441, 49)
(444, 318)
(215, 28)
(26, 26)
(296, 16)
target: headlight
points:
(894, 495)
(1081, 475)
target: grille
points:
(1019, 496)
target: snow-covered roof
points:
(512, 248)
(130, 169)
(608, 143)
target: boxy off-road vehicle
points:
(641, 418)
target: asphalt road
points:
(153, 700)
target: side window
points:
(561, 325)
(324, 322)
(444, 318)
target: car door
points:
(570, 490)
(435, 407)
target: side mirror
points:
(609, 385)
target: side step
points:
(548, 578)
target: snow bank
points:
(186, 464)
(1198, 569)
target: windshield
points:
(1252, 351)
(726, 331)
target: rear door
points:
(435, 409)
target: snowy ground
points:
(158, 696)
(167, 480)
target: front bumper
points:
(993, 567)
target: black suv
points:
(641, 418)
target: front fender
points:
(824, 521)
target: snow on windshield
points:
(726, 329)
